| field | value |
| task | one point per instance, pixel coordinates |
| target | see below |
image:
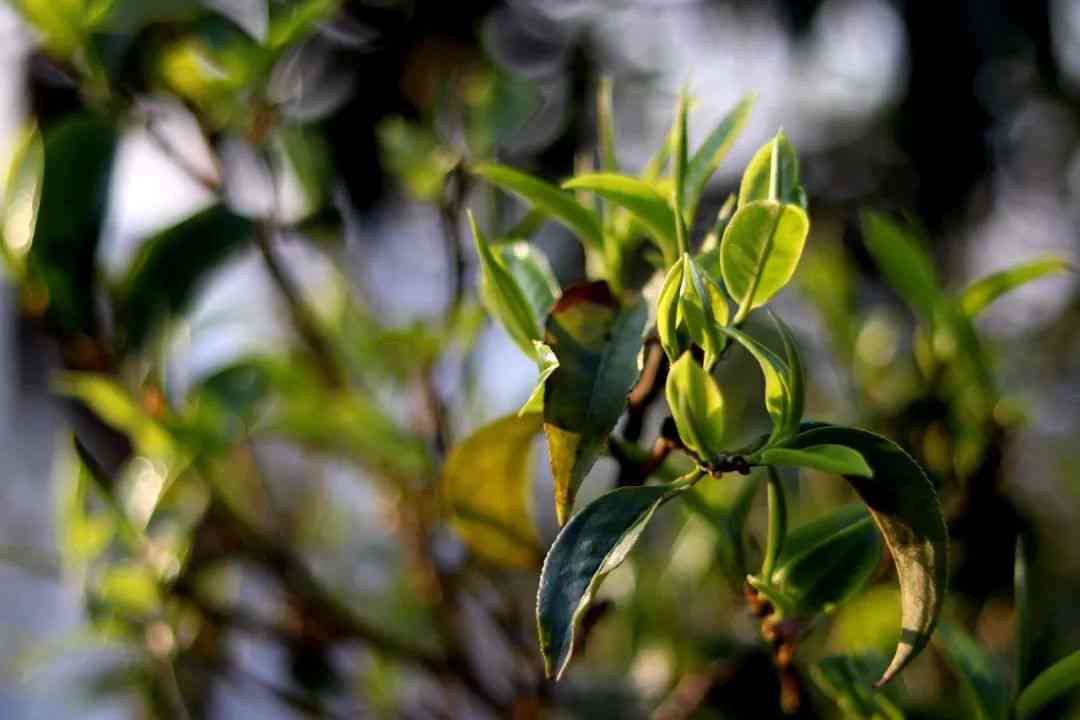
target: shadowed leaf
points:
(1048, 686)
(982, 686)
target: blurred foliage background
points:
(236, 270)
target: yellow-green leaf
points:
(640, 199)
(986, 290)
(546, 362)
(486, 486)
(772, 174)
(697, 407)
(827, 458)
(560, 205)
(760, 251)
(901, 255)
(775, 372)
(712, 151)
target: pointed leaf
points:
(827, 458)
(1052, 683)
(712, 151)
(796, 375)
(593, 543)
(640, 199)
(532, 271)
(546, 362)
(171, 265)
(906, 510)
(560, 205)
(697, 406)
(760, 251)
(981, 685)
(486, 485)
(826, 562)
(773, 174)
(596, 341)
(503, 297)
(672, 332)
(904, 261)
(986, 290)
(704, 309)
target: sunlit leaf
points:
(904, 261)
(760, 251)
(1048, 686)
(704, 309)
(986, 290)
(546, 362)
(486, 485)
(22, 197)
(906, 509)
(697, 406)
(711, 152)
(674, 338)
(171, 265)
(775, 372)
(640, 199)
(982, 686)
(503, 297)
(532, 271)
(557, 203)
(593, 543)
(596, 341)
(827, 458)
(846, 681)
(772, 175)
(825, 562)
(796, 375)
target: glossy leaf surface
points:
(827, 458)
(760, 250)
(697, 406)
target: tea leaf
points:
(560, 205)
(986, 290)
(827, 458)
(904, 261)
(596, 341)
(772, 174)
(486, 485)
(712, 151)
(1051, 683)
(546, 362)
(906, 509)
(760, 251)
(697, 406)
(593, 543)
(775, 372)
(846, 680)
(640, 199)
(504, 298)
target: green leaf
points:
(596, 341)
(532, 271)
(982, 686)
(775, 372)
(760, 251)
(605, 126)
(640, 199)
(906, 510)
(1051, 683)
(486, 485)
(593, 543)
(796, 375)
(678, 191)
(558, 204)
(704, 308)
(773, 174)
(503, 297)
(904, 261)
(986, 290)
(22, 197)
(169, 267)
(674, 337)
(846, 681)
(697, 406)
(827, 561)
(79, 155)
(546, 362)
(712, 151)
(827, 458)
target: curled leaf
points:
(906, 509)
(697, 407)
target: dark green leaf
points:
(596, 341)
(827, 458)
(560, 205)
(713, 150)
(986, 290)
(170, 266)
(760, 251)
(1051, 683)
(826, 562)
(640, 199)
(593, 543)
(906, 509)
(487, 487)
(74, 191)
(982, 686)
